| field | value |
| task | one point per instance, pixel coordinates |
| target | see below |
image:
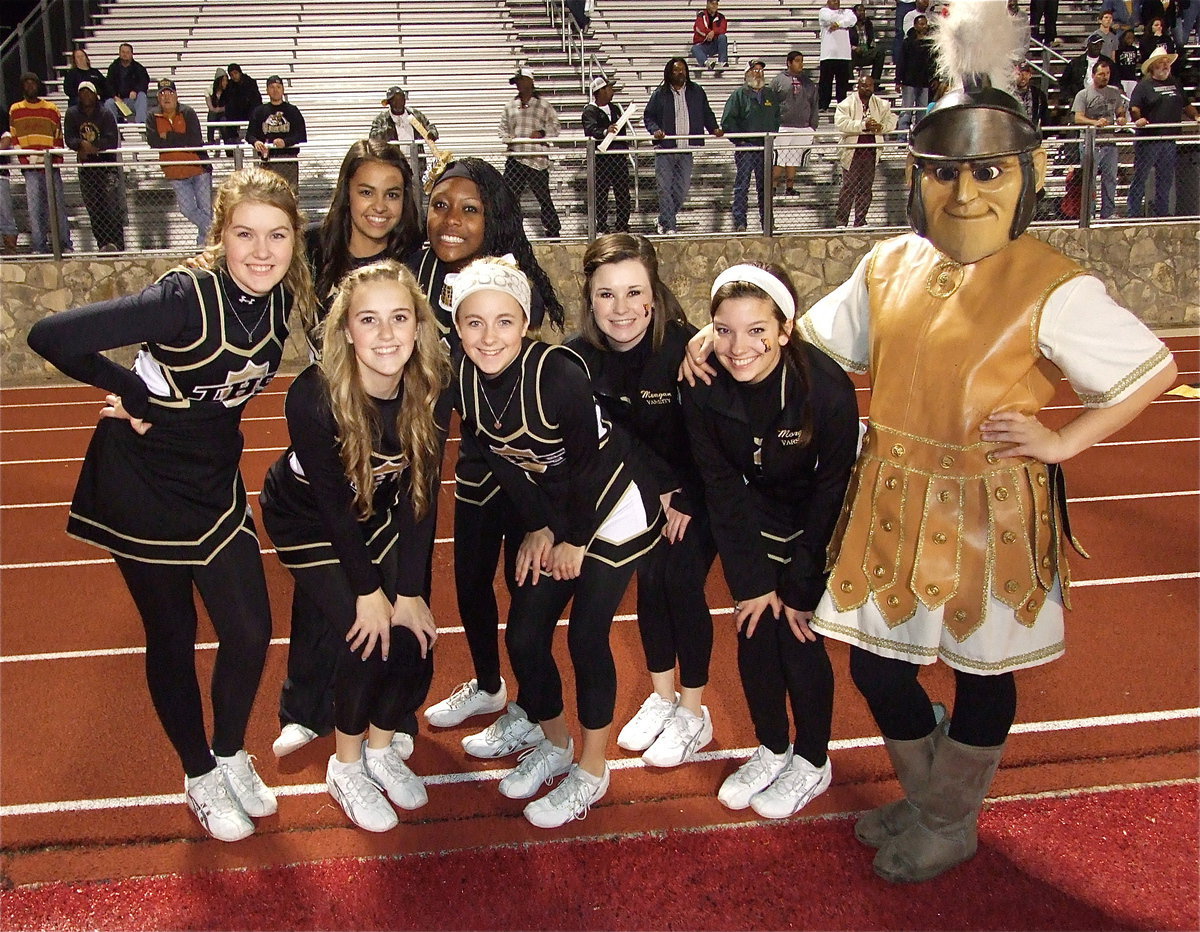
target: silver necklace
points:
(269, 301)
(497, 418)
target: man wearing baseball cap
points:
(276, 130)
(600, 121)
(91, 131)
(395, 122)
(1157, 99)
(752, 108)
(172, 125)
(527, 116)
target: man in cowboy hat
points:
(1157, 99)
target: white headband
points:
(492, 274)
(760, 278)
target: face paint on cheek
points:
(646, 309)
(766, 345)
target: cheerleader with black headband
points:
(774, 437)
(590, 512)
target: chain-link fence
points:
(777, 184)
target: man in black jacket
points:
(276, 130)
(129, 84)
(864, 49)
(91, 131)
(600, 119)
(242, 96)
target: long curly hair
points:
(618, 247)
(426, 376)
(503, 231)
(408, 233)
(257, 185)
(791, 352)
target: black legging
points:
(673, 616)
(479, 530)
(234, 591)
(776, 669)
(372, 691)
(530, 639)
(984, 706)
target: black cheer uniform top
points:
(774, 501)
(307, 499)
(562, 465)
(173, 495)
(638, 390)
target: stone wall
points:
(1154, 270)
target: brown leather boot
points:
(913, 761)
(945, 831)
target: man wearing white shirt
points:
(862, 119)
(835, 51)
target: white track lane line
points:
(627, 763)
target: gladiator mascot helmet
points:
(978, 44)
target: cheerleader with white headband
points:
(774, 438)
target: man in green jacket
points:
(752, 108)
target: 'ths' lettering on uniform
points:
(563, 465)
(173, 495)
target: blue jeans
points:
(1106, 165)
(718, 48)
(140, 107)
(194, 197)
(8, 222)
(912, 96)
(673, 174)
(1188, 21)
(746, 163)
(1162, 156)
(39, 209)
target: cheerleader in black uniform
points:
(774, 437)
(350, 509)
(589, 513)
(374, 215)
(633, 338)
(472, 214)
(160, 487)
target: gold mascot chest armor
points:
(933, 515)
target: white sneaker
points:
(798, 785)
(684, 735)
(255, 797)
(571, 799)
(466, 700)
(710, 64)
(292, 737)
(537, 767)
(214, 804)
(647, 723)
(360, 798)
(403, 744)
(752, 777)
(511, 732)
(388, 770)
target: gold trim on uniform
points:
(1094, 399)
(810, 334)
(944, 279)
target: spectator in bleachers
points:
(394, 123)
(710, 38)
(1102, 106)
(91, 131)
(1110, 39)
(1044, 11)
(1158, 98)
(242, 96)
(81, 70)
(903, 8)
(920, 8)
(918, 72)
(1157, 35)
(527, 116)
(864, 50)
(1078, 73)
(276, 130)
(216, 110)
(600, 119)
(835, 51)
(1187, 22)
(798, 115)
(1123, 11)
(1128, 63)
(8, 220)
(752, 108)
(172, 125)
(862, 118)
(129, 84)
(35, 123)
(677, 107)
(1167, 10)
(1032, 97)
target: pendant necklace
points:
(249, 331)
(497, 418)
